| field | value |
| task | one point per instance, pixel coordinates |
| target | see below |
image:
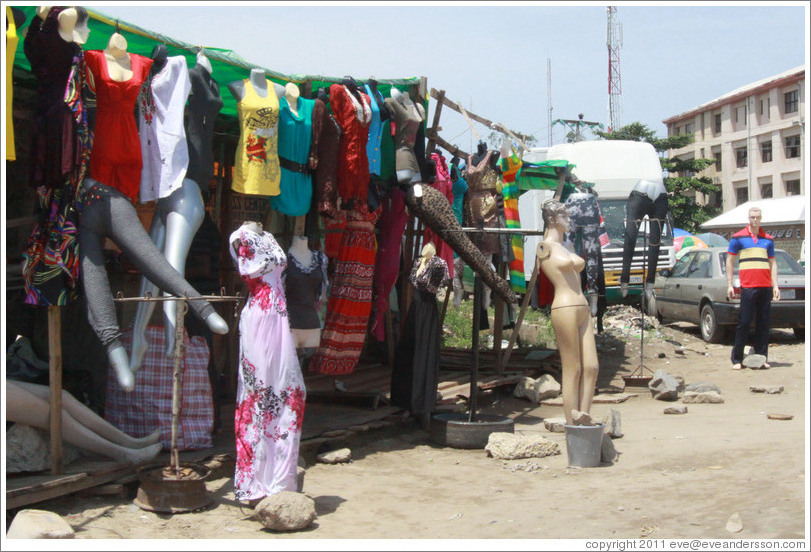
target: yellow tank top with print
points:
(11, 49)
(256, 170)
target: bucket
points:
(583, 445)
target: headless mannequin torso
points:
(428, 251)
(407, 176)
(119, 64)
(571, 316)
(291, 94)
(258, 82)
(300, 250)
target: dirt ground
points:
(678, 476)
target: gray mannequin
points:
(259, 83)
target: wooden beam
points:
(450, 148)
(433, 132)
(488, 123)
(55, 386)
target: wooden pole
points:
(55, 385)
(433, 132)
(524, 304)
(178, 354)
(498, 323)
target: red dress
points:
(116, 156)
(353, 117)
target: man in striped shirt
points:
(757, 271)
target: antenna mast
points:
(614, 43)
(549, 97)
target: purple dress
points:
(270, 388)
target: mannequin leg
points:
(635, 209)
(100, 307)
(143, 313)
(564, 322)
(659, 212)
(184, 214)
(589, 364)
(86, 417)
(28, 408)
(133, 240)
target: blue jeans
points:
(755, 303)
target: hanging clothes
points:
(407, 120)
(510, 166)
(350, 296)
(164, 149)
(441, 183)
(324, 151)
(270, 388)
(51, 257)
(204, 104)
(256, 170)
(373, 151)
(305, 290)
(295, 136)
(585, 220)
(116, 157)
(11, 50)
(53, 148)
(415, 375)
(353, 114)
(459, 189)
(480, 203)
(390, 230)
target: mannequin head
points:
(73, 25)
(253, 226)
(396, 93)
(481, 148)
(204, 62)
(291, 92)
(555, 215)
(428, 250)
(159, 56)
(117, 45)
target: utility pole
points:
(549, 97)
(614, 43)
(574, 126)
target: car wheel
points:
(711, 332)
(799, 333)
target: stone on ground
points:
(665, 387)
(768, 389)
(509, 446)
(675, 410)
(755, 362)
(608, 454)
(613, 424)
(555, 425)
(710, 397)
(39, 524)
(702, 387)
(537, 390)
(340, 456)
(286, 511)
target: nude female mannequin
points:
(571, 315)
(29, 404)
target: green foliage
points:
(457, 328)
(681, 189)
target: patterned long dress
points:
(350, 296)
(270, 389)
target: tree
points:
(681, 189)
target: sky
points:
(492, 58)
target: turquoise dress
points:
(373, 150)
(296, 185)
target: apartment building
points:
(756, 136)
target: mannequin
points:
(291, 94)
(305, 285)
(647, 199)
(15, 18)
(108, 213)
(270, 388)
(29, 404)
(59, 149)
(180, 208)
(353, 113)
(204, 104)
(481, 204)
(407, 116)
(256, 170)
(116, 77)
(570, 315)
(414, 377)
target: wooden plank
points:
(55, 385)
(62, 485)
(434, 130)
(450, 148)
(488, 123)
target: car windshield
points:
(613, 211)
(786, 265)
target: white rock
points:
(286, 511)
(339, 456)
(537, 390)
(709, 397)
(39, 524)
(508, 446)
(555, 425)
(734, 523)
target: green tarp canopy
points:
(227, 65)
(543, 175)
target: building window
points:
(718, 123)
(717, 156)
(792, 187)
(741, 195)
(791, 101)
(677, 131)
(765, 191)
(792, 146)
(740, 157)
(688, 128)
(766, 151)
(765, 106)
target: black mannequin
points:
(159, 57)
(352, 86)
(378, 98)
(481, 151)
(322, 95)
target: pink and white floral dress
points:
(270, 389)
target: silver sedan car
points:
(695, 289)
